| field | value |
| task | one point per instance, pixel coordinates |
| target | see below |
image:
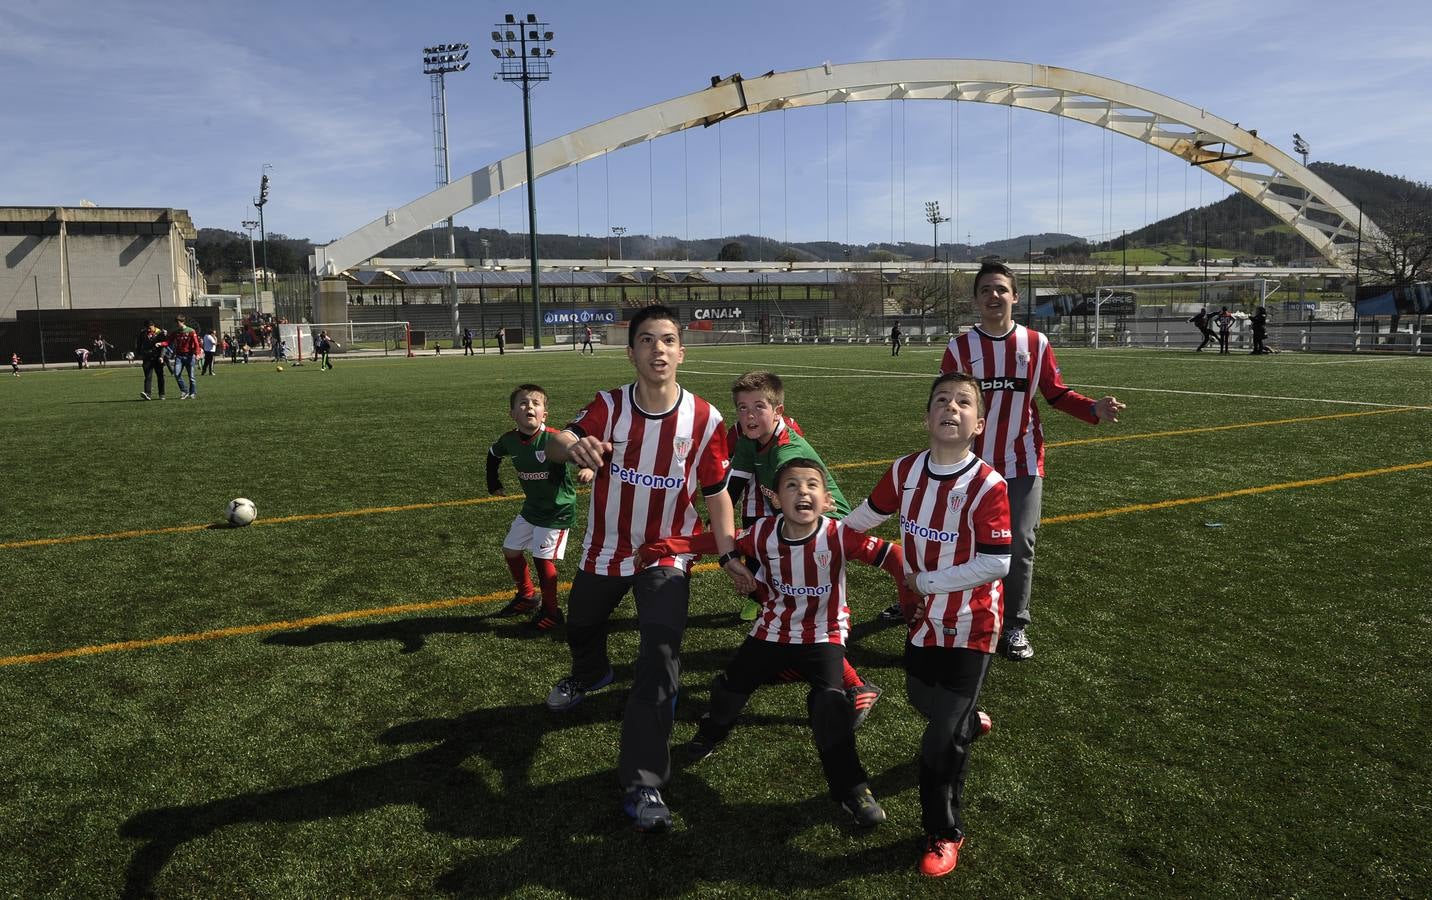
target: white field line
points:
(1102, 387)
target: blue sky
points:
(157, 104)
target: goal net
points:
(1161, 315)
(361, 338)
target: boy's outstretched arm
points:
(494, 464)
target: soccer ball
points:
(241, 512)
(278, 368)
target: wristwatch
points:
(727, 557)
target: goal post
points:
(1157, 314)
(362, 338)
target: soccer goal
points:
(1158, 315)
(364, 338)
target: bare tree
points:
(1402, 253)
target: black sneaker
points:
(546, 621)
(892, 613)
(862, 699)
(700, 746)
(647, 810)
(862, 806)
(1014, 645)
(517, 606)
(569, 691)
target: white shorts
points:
(542, 543)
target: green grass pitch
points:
(1230, 695)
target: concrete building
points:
(78, 258)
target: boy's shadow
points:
(574, 819)
(412, 633)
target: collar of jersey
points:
(998, 337)
(973, 461)
(781, 518)
(631, 398)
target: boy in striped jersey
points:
(802, 626)
(1011, 362)
(954, 516)
(548, 512)
(654, 447)
(765, 440)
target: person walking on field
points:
(895, 337)
(467, 342)
(587, 341)
(1200, 321)
(149, 346)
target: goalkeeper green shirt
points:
(757, 466)
(551, 493)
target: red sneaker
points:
(940, 856)
(986, 723)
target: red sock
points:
(547, 575)
(517, 565)
(852, 677)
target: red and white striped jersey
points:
(1009, 368)
(801, 584)
(648, 487)
(944, 520)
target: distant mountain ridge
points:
(1235, 223)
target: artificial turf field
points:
(1229, 697)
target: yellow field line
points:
(287, 624)
(240, 630)
(1226, 495)
(475, 501)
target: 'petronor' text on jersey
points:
(800, 590)
(645, 479)
(533, 476)
(930, 534)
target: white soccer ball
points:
(241, 512)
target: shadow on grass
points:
(565, 835)
(412, 633)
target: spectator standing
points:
(1260, 330)
(211, 347)
(895, 336)
(102, 347)
(587, 341)
(186, 347)
(149, 346)
(15, 364)
(501, 341)
(1224, 320)
(467, 342)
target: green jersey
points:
(551, 493)
(758, 464)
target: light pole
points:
(932, 215)
(251, 224)
(523, 51)
(438, 60)
(619, 230)
(1300, 147)
(259, 202)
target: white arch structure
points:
(1277, 182)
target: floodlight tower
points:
(932, 215)
(438, 60)
(259, 202)
(251, 224)
(1300, 147)
(523, 51)
(619, 230)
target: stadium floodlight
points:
(525, 64)
(251, 224)
(619, 230)
(259, 203)
(1300, 147)
(932, 215)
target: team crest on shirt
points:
(1021, 359)
(682, 446)
(541, 456)
(822, 559)
(957, 501)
